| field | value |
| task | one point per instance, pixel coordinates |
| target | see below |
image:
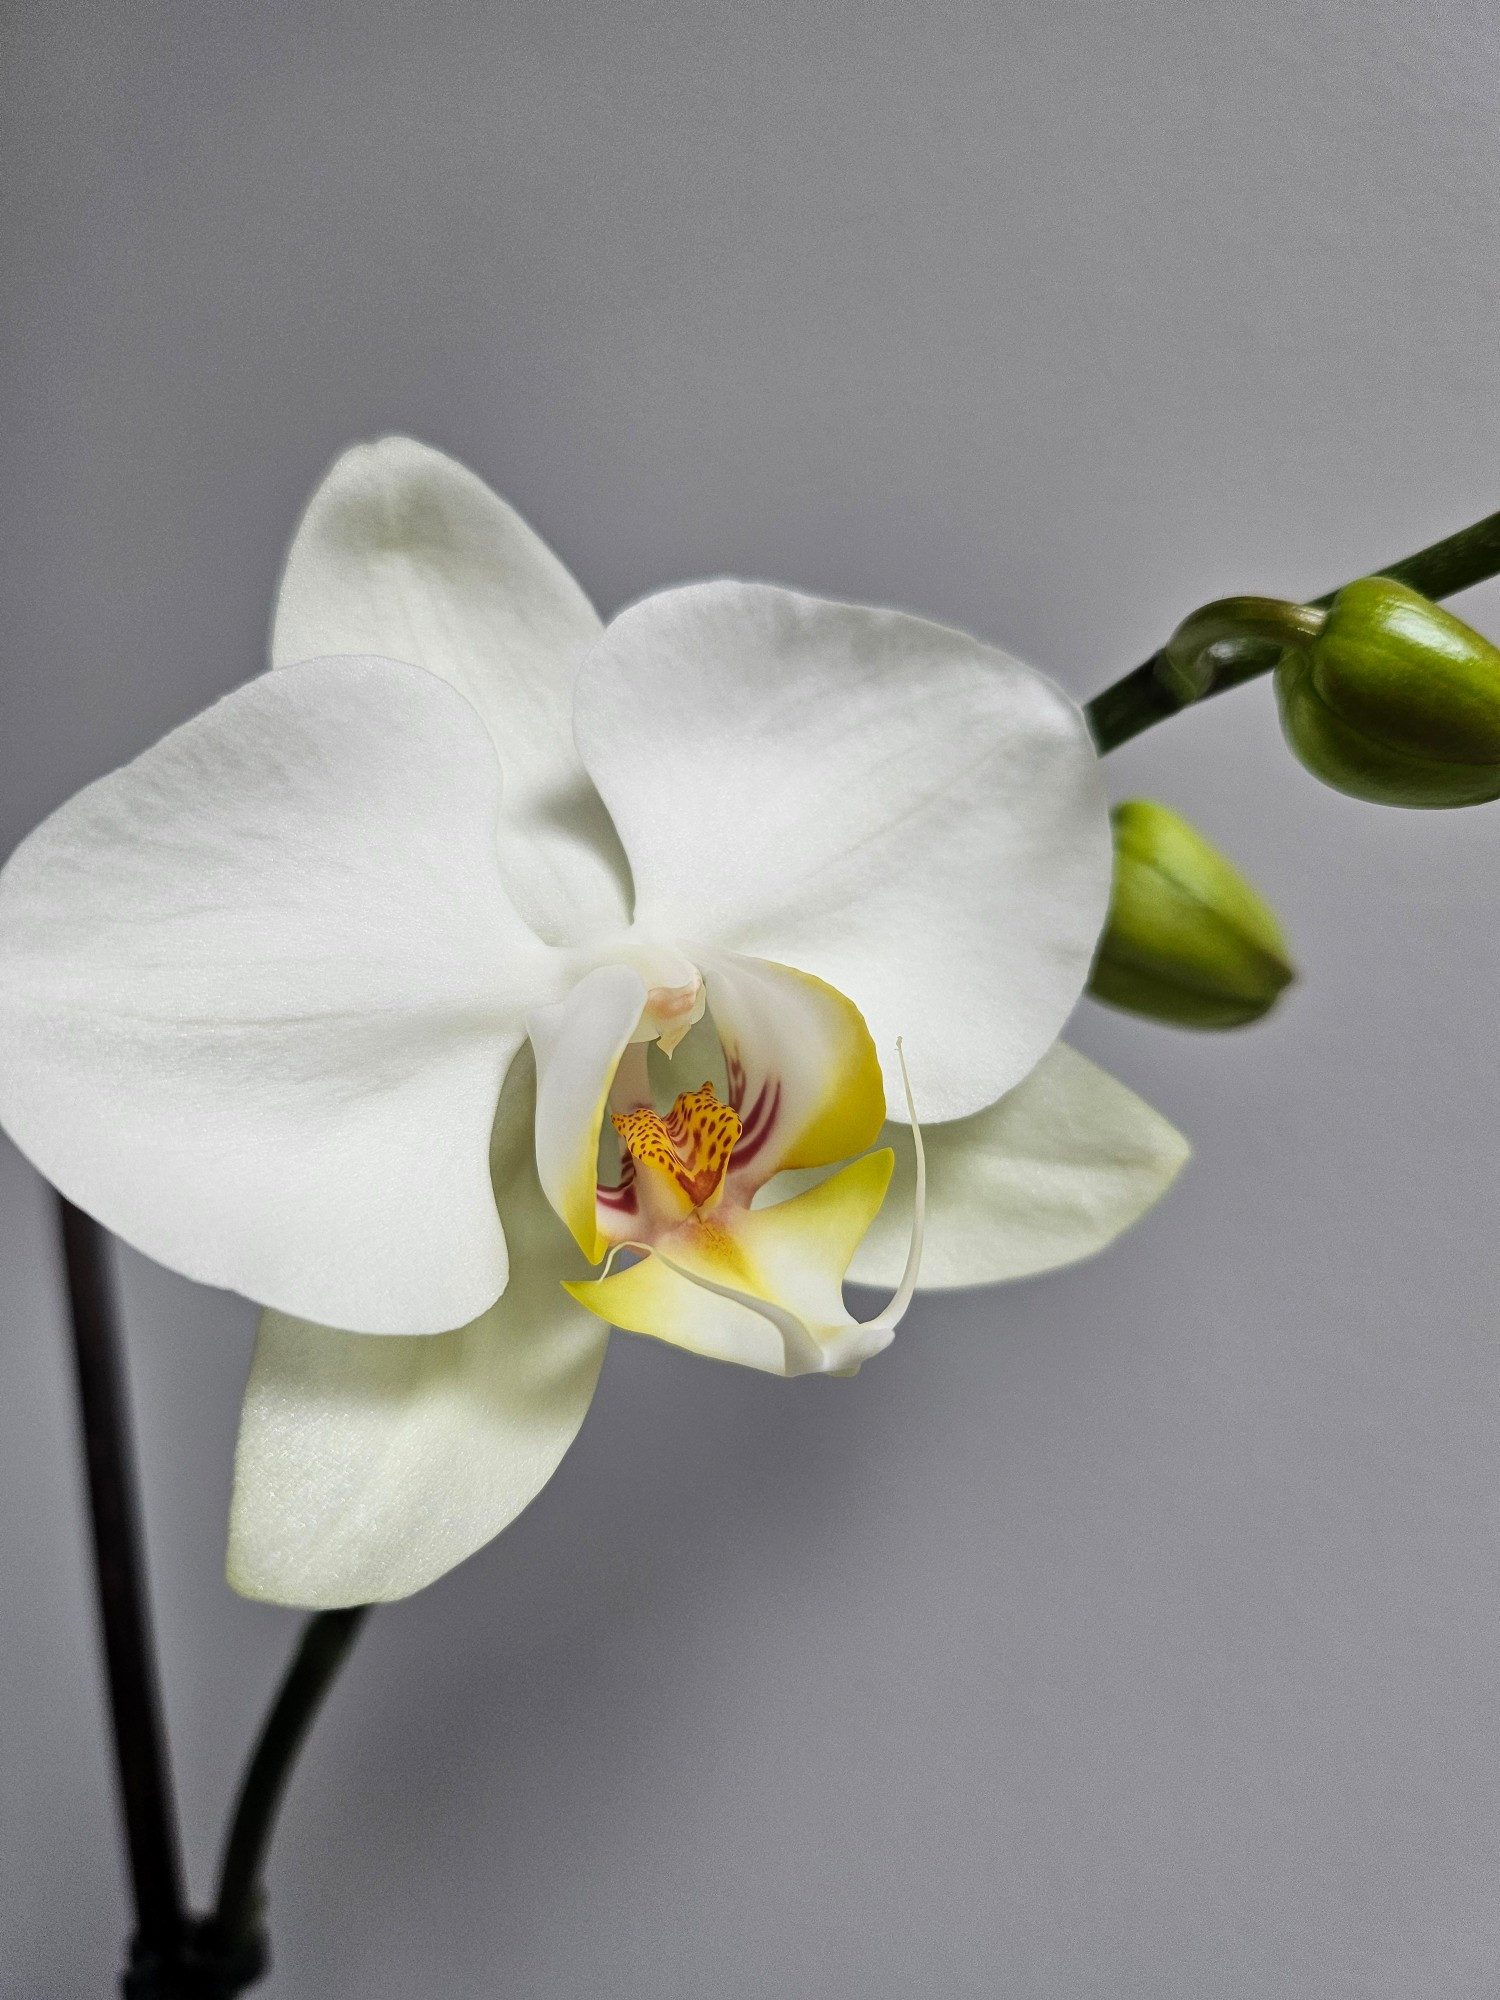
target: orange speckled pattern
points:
(691, 1145)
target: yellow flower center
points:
(690, 1147)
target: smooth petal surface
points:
(802, 1070)
(258, 991)
(909, 815)
(1052, 1173)
(792, 1257)
(578, 1043)
(367, 1466)
(406, 553)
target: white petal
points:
(368, 1466)
(258, 991)
(405, 553)
(1050, 1174)
(911, 816)
(578, 1043)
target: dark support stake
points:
(174, 1955)
(134, 1704)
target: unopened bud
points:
(1188, 940)
(1395, 700)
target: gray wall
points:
(1132, 1632)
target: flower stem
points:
(174, 1954)
(325, 1644)
(134, 1701)
(1153, 691)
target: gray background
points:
(1133, 1632)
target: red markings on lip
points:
(760, 1121)
(622, 1198)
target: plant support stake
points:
(173, 1954)
(134, 1702)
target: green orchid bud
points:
(1396, 700)
(1188, 940)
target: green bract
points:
(1188, 940)
(1396, 701)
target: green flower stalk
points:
(1188, 940)
(1395, 700)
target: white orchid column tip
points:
(670, 1011)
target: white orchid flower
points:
(340, 994)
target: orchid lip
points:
(803, 1353)
(865, 1338)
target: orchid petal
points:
(909, 815)
(369, 1465)
(259, 989)
(579, 1042)
(406, 553)
(762, 1287)
(802, 1070)
(1051, 1174)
